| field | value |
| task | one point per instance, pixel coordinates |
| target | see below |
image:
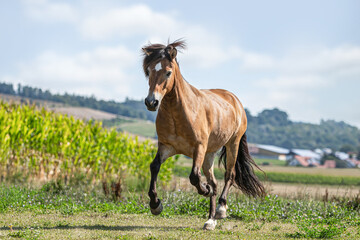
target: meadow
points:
(62, 178)
(287, 177)
(82, 210)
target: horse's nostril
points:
(147, 103)
(156, 102)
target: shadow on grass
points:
(98, 227)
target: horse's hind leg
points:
(198, 159)
(163, 153)
(231, 153)
(208, 169)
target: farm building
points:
(329, 164)
(303, 157)
(268, 151)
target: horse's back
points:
(223, 96)
(227, 114)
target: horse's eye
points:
(168, 73)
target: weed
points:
(62, 224)
(275, 228)
(123, 237)
(27, 233)
(309, 229)
(54, 187)
(255, 226)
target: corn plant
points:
(45, 145)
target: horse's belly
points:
(180, 144)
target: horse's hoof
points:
(157, 210)
(220, 212)
(211, 191)
(210, 224)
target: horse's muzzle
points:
(151, 104)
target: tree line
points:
(129, 108)
(272, 126)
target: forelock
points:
(155, 52)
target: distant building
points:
(303, 157)
(347, 160)
(329, 164)
(268, 151)
(342, 155)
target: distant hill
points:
(77, 112)
(268, 127)
(129, 108)
(273, 127)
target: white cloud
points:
(320, 61)
(46, 11)
(127, 21)
(206, 49)
(307, 84)
(102, 72)
(139, 20)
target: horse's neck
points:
(182, 96)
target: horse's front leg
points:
(198, 159)
(163, 153)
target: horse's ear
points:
(146, 51)
(172, 53)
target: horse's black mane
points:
(153, 52)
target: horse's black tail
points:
(245, 177)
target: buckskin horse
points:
(197, 123)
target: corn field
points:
(44, 145)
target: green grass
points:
(284, 177)
(309, 179)
(185, 161)
(269, 162)
(137, 226)
(63, 212)
(70, 200)
(116, 121)
(141, 128)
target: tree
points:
(274, 117)
(6, 88)
(347, 148)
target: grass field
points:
(264, 163)
(139, 127)
(346, 172)
(287, 177)
(92, 225)
(83, 212)
(269, 162)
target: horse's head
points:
(159, 66)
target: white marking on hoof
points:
(220, 212)
(210, 224)
(158, 67)
(211, 192)
(157, 210)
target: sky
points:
(302, 57)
